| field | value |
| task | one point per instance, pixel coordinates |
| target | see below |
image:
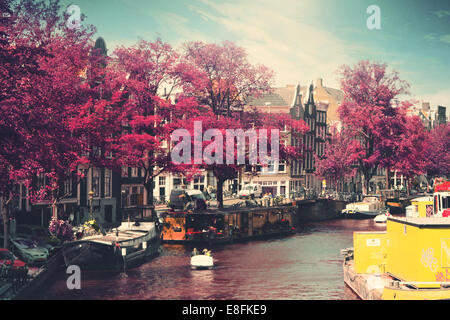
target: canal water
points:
(303, 266)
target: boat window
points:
(435, 204)
(446, 202)
(177, 229)
(370, 199)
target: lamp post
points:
(91, 199)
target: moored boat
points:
(129, 245)
(395, 201)
(383, 286)
(227, 225)
(370, 207)
(410, 260)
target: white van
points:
(251, 191)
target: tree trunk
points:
(388, 180)
(366, 185)
(220, 192)
(5, 218)
(149, 189)
(54, 201)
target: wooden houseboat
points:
(227, 225)
(129, 245)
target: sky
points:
(301, 40)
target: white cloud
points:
(442, 13)
(280, 36)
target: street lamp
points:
(91, 199)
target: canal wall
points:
(318, 210)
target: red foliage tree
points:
(43, 90)
(371, 116)
(217, 147)
(340, 155)
(437, 152)
(155, 83)
(229, 78)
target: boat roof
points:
(127, 234)
(430, 222)
(428, 198)
(231, 210)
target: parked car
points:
(8, 259)
(29, 250)
(39, 234)
(251, 191)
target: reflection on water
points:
(306, 265)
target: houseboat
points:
(126, 246)
(410, 260)
(227, 225)
(395, 202)
(370, 207)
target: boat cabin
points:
(441, 200)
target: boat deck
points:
(423, 221)
(126, 234)
(385, 287)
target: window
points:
(282, 166)
(96, 181)
(162, 181)
(41, 181)
(107, 183)
(68, 186)
(176, 182)
(270, 166)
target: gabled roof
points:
(273, 99)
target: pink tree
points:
(229, 78)
(217, 147)
(43, 93)
(339, 158)
(370, 115)
(155, 83)
(411, 159)
(437, 152)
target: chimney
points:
(319, 82)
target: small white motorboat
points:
(381, 218)
(202, 261)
